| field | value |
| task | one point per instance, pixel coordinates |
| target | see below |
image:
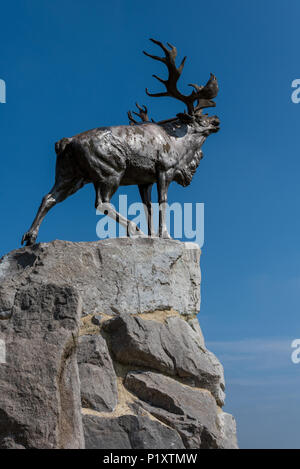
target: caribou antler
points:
(201, 94)
(132, 121)
(143, 114)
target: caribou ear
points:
(185, 118)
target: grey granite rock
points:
(175, 386)
(39, 383)
(122, 275)
(135, 341)
(194, 323)
(191, 412)
(129, 432)
(98, 380)
(227, 431)
(173, 348)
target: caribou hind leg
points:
(57, 194)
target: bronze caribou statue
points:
(140, 153)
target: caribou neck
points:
(189, 143)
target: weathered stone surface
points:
(191, 412)
(170, 387)
(98, 380)
(129, 432)
(122, 275)
(173, 348)
(5, 314)
(39, 383)
(194, 323)
(227, 428)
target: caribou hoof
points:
(165, 235)
(29, 238)
(134, 231)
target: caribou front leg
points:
(107, 208)
(162, 189)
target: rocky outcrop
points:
(39, 383)
(115, 275)
(129, 432)
(173, 348)
(97, 375)
(128, 370)
(192, 412)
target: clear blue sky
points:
(72, 65)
